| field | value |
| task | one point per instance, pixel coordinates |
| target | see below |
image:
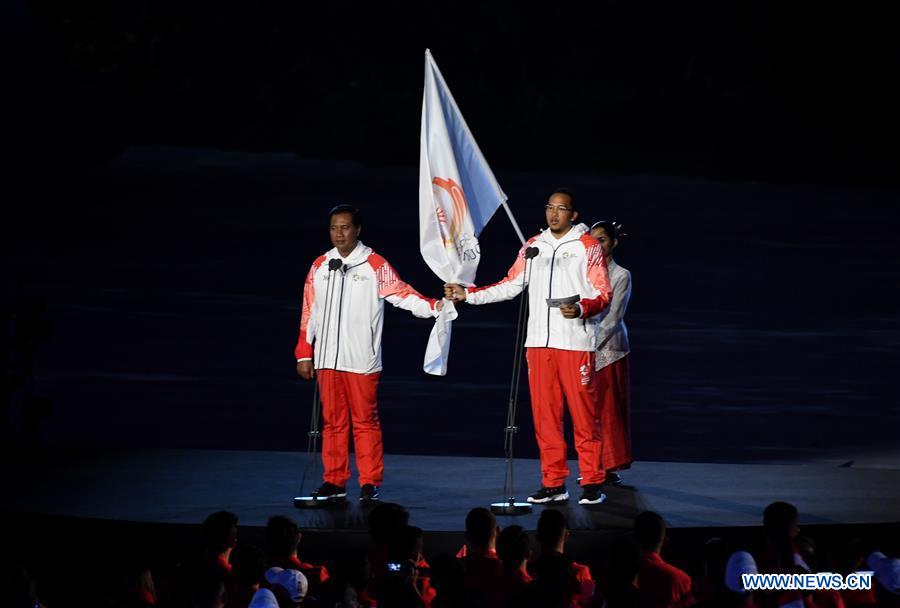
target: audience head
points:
(264, 598)
(407, 544)
(481, 528)
(716, 552)
(887, 576)
(289, 586)
(780, 526)
(513, 546)
(650, 531)
(385, 521)
(249, 565)
(282, 536)
(738, 564)
(220, 531)
(552, 530)
(780, 521)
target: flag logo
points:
(451, 227)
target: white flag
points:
(458, 194)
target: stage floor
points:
(184, 486)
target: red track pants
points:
(348, 397)
(615, 414)
(554, 375)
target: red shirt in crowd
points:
(311, 571)
(482, 570)
(825, 598)
(584, 578)
(223, 564)
(859, 598)
(512, 585)
(662, 585)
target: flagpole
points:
(513, 221)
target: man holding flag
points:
(458, 194)
(568, 287)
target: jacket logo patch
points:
(585, 371)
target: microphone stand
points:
(304, 501)
(509, 506)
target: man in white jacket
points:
(561, 262)
(340, 346)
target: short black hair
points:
(480, 524)
(779, 517)
(217, 530)
(513, 545)
(568, 193)
(551, 527)
(353, 211)
(249, 564)
(282, 535)
(649, 530)
(406, 543)
(386, 520)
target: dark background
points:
(783, 91)
(171, 165)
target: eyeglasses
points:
(557, 208)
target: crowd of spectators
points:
(495, 568)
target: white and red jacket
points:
(568, 266)
(349, 338)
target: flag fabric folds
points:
(458, 195)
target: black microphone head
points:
(334, 264)
(532, 252)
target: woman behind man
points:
(612, 359)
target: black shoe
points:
(329, 491)
(613, 478)
(369, 491)
(592, 494)
(545, 495)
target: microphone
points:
(334, 264)
(532, 252)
